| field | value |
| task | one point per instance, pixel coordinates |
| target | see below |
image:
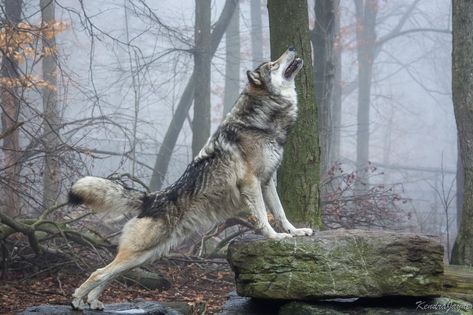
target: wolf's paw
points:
(280, 236)
(96, 305)
(301, 232)
(78, 304)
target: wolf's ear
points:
(253, 77)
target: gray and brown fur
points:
(231, 175)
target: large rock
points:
(337, 263)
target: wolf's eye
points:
(274, 66)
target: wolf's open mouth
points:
(292, 67)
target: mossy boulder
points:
(337, 264)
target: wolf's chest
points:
(271, 156)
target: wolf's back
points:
(102, 194)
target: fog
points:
(126, 64)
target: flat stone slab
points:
(141, 308)
(237, 305)
(337, 264)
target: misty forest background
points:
(134, 88)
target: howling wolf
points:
(231, 175)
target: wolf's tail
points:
(102, 195)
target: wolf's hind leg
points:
(125, 260)
(140, 241)
(271, 199)
(252, 194)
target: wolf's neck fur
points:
(261, 111)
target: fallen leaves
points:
(203, 284)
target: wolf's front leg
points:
(253, 197)
(271, 199)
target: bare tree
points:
(366, 11)
(462, 75)
(445, 194)
(202, 61)
(232, 62)
(256, 33)
(10, 105)
(170, 138)
(459, 183)
(323, 38)
(336, 109)
(51, 116)
(298, 176)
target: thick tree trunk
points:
(165, 151)
(10, 106)
(232, 62)
(256, 33)
(462, 87)
(366, 11)
(298, 176)
(202, 59)
(323, 38)
(51, 118)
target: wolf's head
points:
(276, 77)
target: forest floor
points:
(204, 284)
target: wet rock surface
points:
(337, 264)
(145, 308)
(237, 305)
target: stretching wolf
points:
(231, 174)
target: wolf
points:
(231, 175)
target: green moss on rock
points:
(338, 263)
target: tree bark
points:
(323, 39)
(232, 62)
(459, 183)
(462, 87)
(51, 117)
(10, 105)
(170, 138)
(202, 59)
(337, 91)
(298, 176)
(256, 33)
(366, 11)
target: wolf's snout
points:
(293, 68)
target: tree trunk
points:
(459, 181)
(232, 62)
(462, 87)
(366, 38)
(51, 118)
(337, 92)
(10, 106)
(202, 59)
(256, 33)
(298, 176)
(387, 146)
(323, 38)
(165, 150)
